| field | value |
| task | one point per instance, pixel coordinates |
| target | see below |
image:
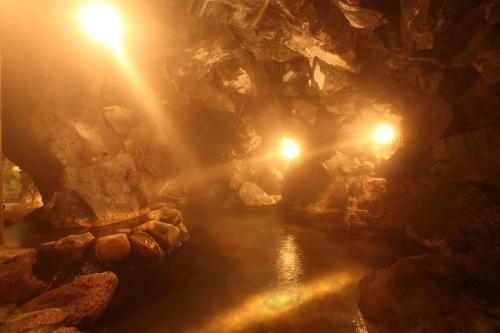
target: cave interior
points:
(250, 166)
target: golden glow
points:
(276, 303)
(384, 134)
(102, 23)
(290, 149)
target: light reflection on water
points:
(289, 264)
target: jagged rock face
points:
(55, 127)
(240, 75)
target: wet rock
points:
(84, 299)
(112, 248)
(145, 250)
(73, 246)
(36, 321)
(167, 235)
(253, 196)
(434, 293)
(455, 218)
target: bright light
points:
(102, 23)
(290, 149)
(384, 134)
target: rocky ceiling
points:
(232, 78)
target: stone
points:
(305, 110)
(434, 293)
(65, 128)
(121, 119)
(369, 206)
(167, 215)
(73, 246)
(6, 310)
(145, 249)
(167, 235)
(413, 16)
(112, 248)
(253, 196)
(487, 63)
(455, 218)
(469, 156)
(17, 281)
(270, 179)
(360, 17)
(426, 119)
(13, 254)
(83, 299)
(35, 321)
(340, 163)
(185, 236)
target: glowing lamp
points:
(384, 134)
(102, 23)
(290, 149)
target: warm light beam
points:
(384, 134)
(290, 149)
(102, 23)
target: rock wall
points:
(54, 124)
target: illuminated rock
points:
(253, 196)
(112, 248)
(73, 246)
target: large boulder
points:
(434, 293)
(84, 299)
